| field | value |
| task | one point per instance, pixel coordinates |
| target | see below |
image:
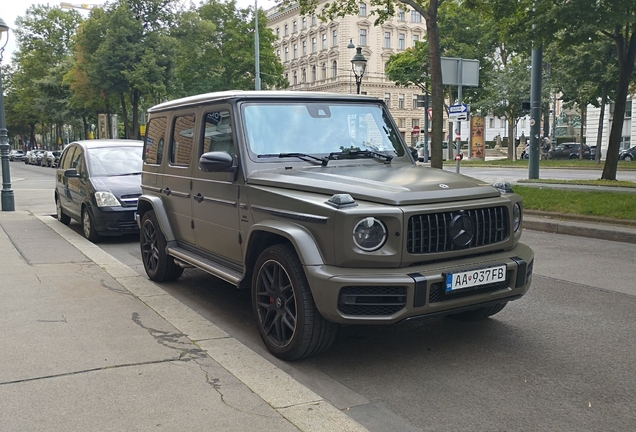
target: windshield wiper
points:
(303, 156)
(360, 154)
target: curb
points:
(293, 401)
(624, 234)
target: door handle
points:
(198, 197)
(166, 191)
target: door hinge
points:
(192, 224)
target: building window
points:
(387, 39)
(334, 69)
(401, 15)
(502, 123)
(415, 122)
(304, 47)
(304, 76)
(415, 102)
(401, 100)
(491, 123)
(363, 9)
(286, 30)
(313, 45)
(401, 123)
(286, 53)
(416, 39)
(401, 41)
(324, 71)
(313, 73)
(335, 38)
(278, 53)
(277, 32)
(628, 109)
(363, 37)
(295, 27)
(304, 23)
(295, 78)
(523, 123)
(314, 20)
(295, 50)
(415, 16)
(287, 77)
(324, 41)
(387, 99)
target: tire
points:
(88, 227)
(628, 158)
(287, 318)
(61, 216)
(159, 266)
(479, 314)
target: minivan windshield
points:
(319, 128)
(112, 161)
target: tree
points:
(585, 20)
(216, 50)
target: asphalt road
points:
(559, 359)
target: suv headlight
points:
(516, 216)
(106, 199)
(369, 234)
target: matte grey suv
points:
(313, 202)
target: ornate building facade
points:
(317, 56)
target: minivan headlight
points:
(106, 199)
(516, 216)
(369, 234)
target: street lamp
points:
(350, 46)
(8, 203)
(358, 65)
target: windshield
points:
(319, 128)
(110, 161)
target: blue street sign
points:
(458, 109)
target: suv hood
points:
(381, 183)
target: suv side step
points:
(212, 267)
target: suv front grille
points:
(371, 300)
(430, 233)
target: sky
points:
(11, 9)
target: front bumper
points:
(387, 296)
(115, 220)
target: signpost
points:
(459, 72)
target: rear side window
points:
(182, 140)
(155, 139)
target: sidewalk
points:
(88, 344)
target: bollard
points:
(458, 157)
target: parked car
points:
(98, 183)
(56, 158)
(341, 228)
(16, 155)
(37, 159)
(46, 159)
(570, 150)
(628, 154)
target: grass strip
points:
(605, 204)
(615, 183)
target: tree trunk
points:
(85, 127)
(124, 113)
(583, 120)
(437, 89)
(601, 117)
(511, 138)
(31, 144)
(135, 115)
(626, 56)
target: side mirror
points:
(71, 173)
(216, 161)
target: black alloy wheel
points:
(88, 227)
(159, 266)
(288, 321)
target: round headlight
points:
(369, 234)
(516, 216)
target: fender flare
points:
(149, 202)
(301, 239)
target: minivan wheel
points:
(89, 227)
(287, 318)
(159, 266)
(479, 314)
(60, 213)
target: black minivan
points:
(98, 183)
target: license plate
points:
(473, 278)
